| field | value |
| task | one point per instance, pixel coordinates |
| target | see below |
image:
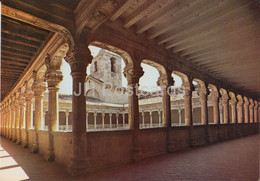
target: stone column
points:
(110, 120)
(16, 121)
(246, 110)
(53, 77)
(103, 120)
(11, 121)
(38, 88)
(215, 103)
(203, 94)
(160, 118)
(255, 112)
(78, 58)
(179, 112)
(132, 75)
(251, 111)
(22, 116)
(224, 101)
(87, 120)
(123, 119)
(28, 115)
(165, 82)
(67, 119)
(233, 111)
(8, 121)
(151, 119)
(240, 111)
(95, 120)
(143, 119)
(117, 115)
(221, 113)
(188, 106)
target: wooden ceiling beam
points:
(220, 50)
(18, 46)
(20, 41)
(206, 21)
(178, 18)
(14, 58)
(161, 15)
(18, 24)
(13, 70)
(12, 66)
(18, 57)
(227, 29)
(10, 73)
(7, 61)
(18, 53)
(138, 13)
(15, 33)
(229, 56)
(121, 10)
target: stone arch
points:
(93, 93)
(201, 83)
(184, 77)
(125, 55)
(161, 69)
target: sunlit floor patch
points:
(12, 174)
(9, 169)
(3, 154)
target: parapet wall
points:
(112, 148)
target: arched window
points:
(113, 64)
(95, 66)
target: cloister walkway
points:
(230, 160)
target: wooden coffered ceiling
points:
(20, 43)
(218, 37)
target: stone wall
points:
(111, 148)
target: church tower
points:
(107, 68)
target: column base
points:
(14, 140)
(18, 141)
(35, 148)
(137, 155)
(192, 143)
(170, 147)
(77, 166)
(49, 156)
(25, 145)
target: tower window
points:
(113, 64)
(95, 66)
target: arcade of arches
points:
(78, 130)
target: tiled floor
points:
(231, 160)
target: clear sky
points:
(147, 82)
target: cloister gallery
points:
(207, 88)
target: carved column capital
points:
(38, 88)
(133, 75)
(78, 60)
(165, 81)
(53, 75)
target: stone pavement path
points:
(231, 160)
